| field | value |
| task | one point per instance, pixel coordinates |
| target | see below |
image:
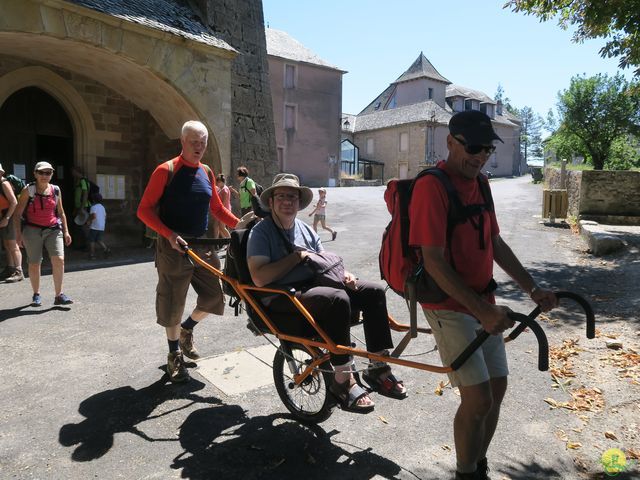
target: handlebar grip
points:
(472, 347)
(543, 344)
(586, 306)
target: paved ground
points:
(84, 395)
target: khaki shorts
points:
(35, 238)
(8, 232)
(175, 274)
(453, 331)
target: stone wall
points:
(607, 196)
(241, 24)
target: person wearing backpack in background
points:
(80, 201)
(45, 225)
(8, 203)
(462, 266)
(176, 202)
(246, 190)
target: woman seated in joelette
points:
(270, 262)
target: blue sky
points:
(473, 43)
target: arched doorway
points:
(35, 127)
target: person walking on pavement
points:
(246, 190)
(45, 226)
(472, 247)
(80, 202)
(8, 203)
(175, 204)
(319, 213)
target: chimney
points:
(499, 107)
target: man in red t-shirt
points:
(176, 203)
(475, 245)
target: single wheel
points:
(309, 402)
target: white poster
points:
(20, 170)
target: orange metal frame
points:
(314, 346)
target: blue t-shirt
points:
(266, 241)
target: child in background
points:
(319, 213)
(97, 221)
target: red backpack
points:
(400, 264)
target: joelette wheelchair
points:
(301, 370)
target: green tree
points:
(506, 101)
(530, 133)
(615, 21)
(594, 112)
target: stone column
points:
(241, 24)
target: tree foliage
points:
(616, 21)
(530, 133)
(593, 114)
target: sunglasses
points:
(44, 172)
(476, 149)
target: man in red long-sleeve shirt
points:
(175, 204)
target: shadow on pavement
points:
(122, 410)
(222, 442)
(530, 471)
(609, 290)
(10, 313)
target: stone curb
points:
(600, 241)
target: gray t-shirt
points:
(266, 241)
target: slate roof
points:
(281, 44)
(417, 112)
(171, 16)
(421, 68)
(460, 91)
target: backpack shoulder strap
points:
(485, 190)
(207, 169)
(170, 168)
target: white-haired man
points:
(176, 202)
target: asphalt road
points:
(84, 396)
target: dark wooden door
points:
(35, 127)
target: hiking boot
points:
(7, 272)
(175, 367)
(107, 253)
(482, 472)
(36, 300)
(186, 344)
(334, 235)
(62, 299)
(16, 276)
(468, 476)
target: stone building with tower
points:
(105, 85)
(404, 129)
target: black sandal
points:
(391, 386)
(348, 395)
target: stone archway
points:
(71, 101)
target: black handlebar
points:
(591, 319)
(527, 321)
(207, 241)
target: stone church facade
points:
(106, 86)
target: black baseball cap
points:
(474, 126)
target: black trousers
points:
(332, 308)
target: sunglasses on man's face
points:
(44, 172)
(476, 149)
